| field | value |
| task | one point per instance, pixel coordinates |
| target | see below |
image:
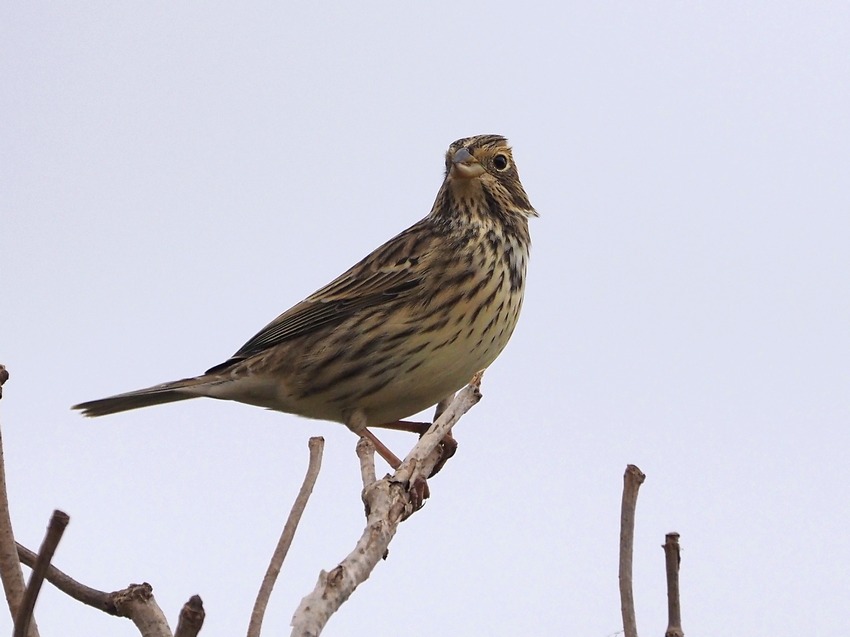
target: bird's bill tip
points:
(463, 156)
(465, 166)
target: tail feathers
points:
(157, 395)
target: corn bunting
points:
(401, 330)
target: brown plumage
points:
(402, 329)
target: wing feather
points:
(393, 271)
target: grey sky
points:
(175, 175)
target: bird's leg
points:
(356, 422)
(448, 445)
(420, 427)
(418, 489)
(382, 449)
(406, 425)
(448, 442)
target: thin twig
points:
(10, 569)
(71, 587)
(191, 618)
(316, 445)
(55, 529)
(673, 558)
(388, 503)
(632, 480)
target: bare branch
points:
(191, 618)
(632, 480)
(4, 376)
(137, 603)
(443, 405)
(388, 502)
(10, 568)
(366, 454)
(316, 445)
(71, 587)
(673, 558)
(55, 529)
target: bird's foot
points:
(418, 492)
(447, 448)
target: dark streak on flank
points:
(447, 341)
(376, 387)
(347, 373)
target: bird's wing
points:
(392, 271)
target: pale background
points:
(174, 175)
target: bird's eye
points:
(500, 162)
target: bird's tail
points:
(156, 395)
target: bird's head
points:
(482, 168)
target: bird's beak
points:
(465, 166)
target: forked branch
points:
(388, 502)
(136, 602)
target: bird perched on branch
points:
(401, 330)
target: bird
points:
(401, 330)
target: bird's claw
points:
(447, 448)
(418, 492)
